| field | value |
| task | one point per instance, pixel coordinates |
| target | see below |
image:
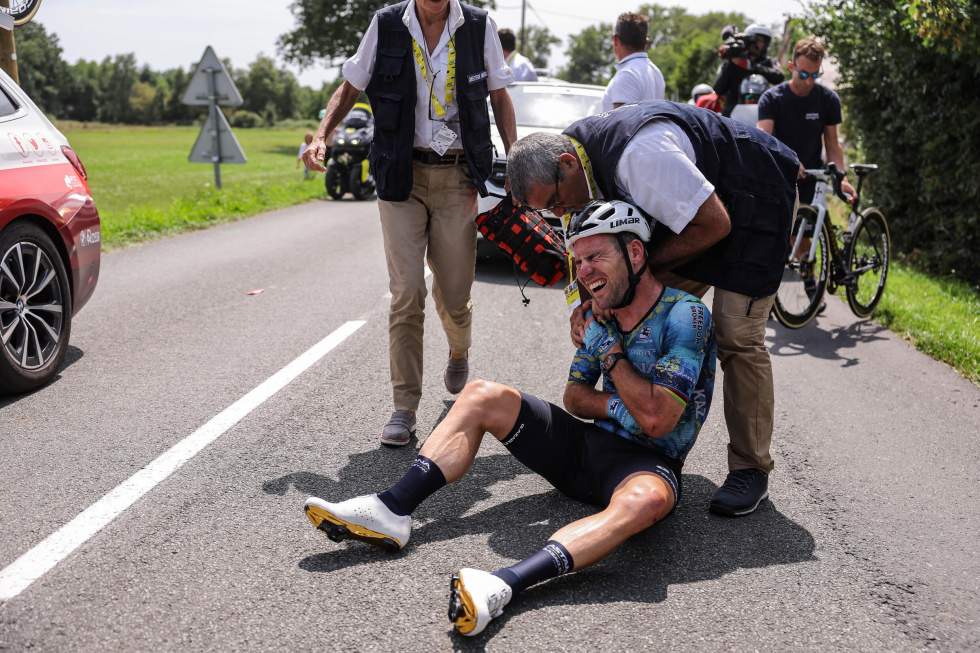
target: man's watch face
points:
(610, 361)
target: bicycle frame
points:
(819, 203)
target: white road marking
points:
(26, 569)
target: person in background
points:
(520, 65)
(308, 172)
(743, 55)
(704, 97)
(637, 79)
(804, 114)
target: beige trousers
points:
(740, 334)
(435, 224)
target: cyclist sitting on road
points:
(656, 356)
(804, 115)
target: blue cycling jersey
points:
(673, 347)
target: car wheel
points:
(35, 308)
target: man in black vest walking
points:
(427, 67)
(721, 195)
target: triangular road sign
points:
(198, 93)
(204, 150)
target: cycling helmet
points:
(758, 29)
(615, 218)
(752, 88)
(701, 89)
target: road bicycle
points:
(823, 258)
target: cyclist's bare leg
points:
(639, 502)
(482, 406)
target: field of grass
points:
(941, 317)
(145, 187)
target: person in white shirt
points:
(427, 67)
(520, 65)
(637, 79)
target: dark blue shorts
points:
(580, 459)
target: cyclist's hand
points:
(605, 340)
(315, 154)
(848, 190)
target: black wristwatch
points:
(610, 361)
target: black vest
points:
(392, 93)
(753, 174)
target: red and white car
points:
(49, 242)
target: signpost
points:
(210, 86)
(13, 13)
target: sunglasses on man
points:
(804, 75)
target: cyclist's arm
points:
(835, 154)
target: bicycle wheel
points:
(804, 282)
(867, 262)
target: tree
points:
(43, 72)
(909, 81)
(329, 30)
(118, 75)
(540, 40)
(590, 56)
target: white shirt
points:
(657, 172)
(358, 69)
(522, 68)
(637, 79)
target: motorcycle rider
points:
(743, 55)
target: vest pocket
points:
(390, 62)
(387, 109)
(475, 102)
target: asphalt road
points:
(870, 540)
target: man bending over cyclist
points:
(656, 358)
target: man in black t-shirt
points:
(804, 115)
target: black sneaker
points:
(741, 493)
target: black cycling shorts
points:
(580, 459)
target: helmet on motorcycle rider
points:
(752, 88)
(699, 90)
(756, 30)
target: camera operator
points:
(743, 55)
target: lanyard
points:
(593, 192)
(437, 106)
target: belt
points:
(433, 159)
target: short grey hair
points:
(534, 160)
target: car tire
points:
(35, 308)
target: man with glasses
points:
(804, 114)
(722, 196)
(427, 67)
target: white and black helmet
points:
(758, 29)
(614, 217)
(701, 89)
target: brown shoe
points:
(399, 429)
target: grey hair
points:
(534, 160)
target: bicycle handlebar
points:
(830, 174)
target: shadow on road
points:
(688, 547)
(829, 344)
(72, 355)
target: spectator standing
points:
(637, 79)
(736, 66)
(804, 114)
(520, 66)
(431, 153)
(307, 170)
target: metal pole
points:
(8, 51)
(523, 46)
(213, 112)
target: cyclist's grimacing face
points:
(600, 268)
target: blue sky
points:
(170, 33)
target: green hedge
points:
(910, 80)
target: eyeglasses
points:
(557, 200)
(804, 75)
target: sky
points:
(175, 32)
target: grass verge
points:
(940, 317)
(145, 187)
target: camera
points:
(735, 44)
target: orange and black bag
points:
(525, 238)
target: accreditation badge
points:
(443, 140)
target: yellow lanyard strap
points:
(593, 191)
(439, 108)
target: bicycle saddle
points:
(861, 169)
